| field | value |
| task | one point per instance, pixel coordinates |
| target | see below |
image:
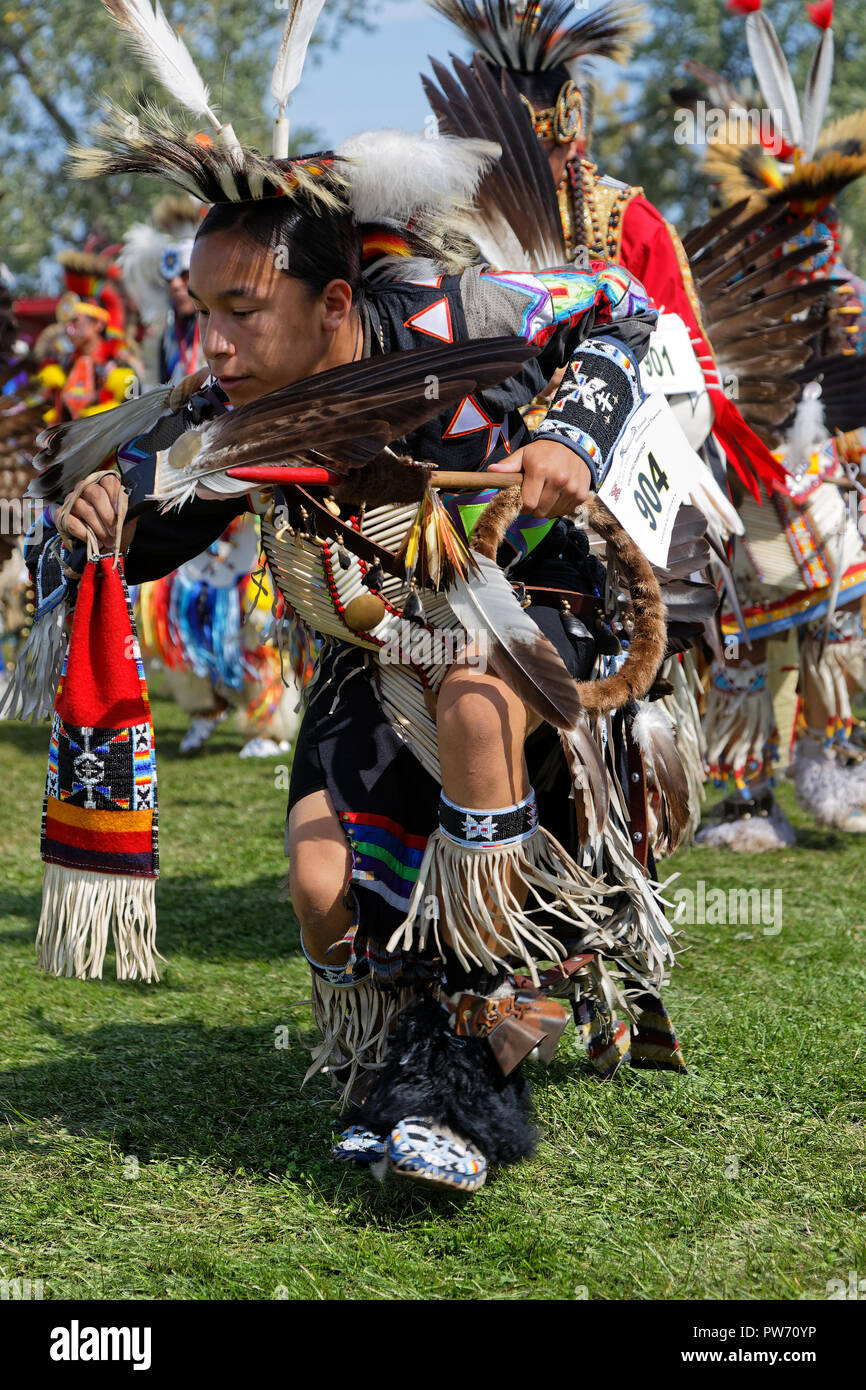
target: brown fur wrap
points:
(647, 648)
(649, 624)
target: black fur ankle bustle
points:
(452, 1081)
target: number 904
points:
(646, 494)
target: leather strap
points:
(334, 528)
(545, 597)
(637, 801)
(552, 981)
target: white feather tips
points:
(182, 472)
(164, 53)
(300, 23)
(393, 174)
(774, 77)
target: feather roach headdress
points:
(387, 179)
(545, 45)
(212, 167)
(795, 158)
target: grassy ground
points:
(156, 1144)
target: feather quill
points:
(164, 53)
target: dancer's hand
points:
(96, 508)
(555, 480)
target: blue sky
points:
(372, 79)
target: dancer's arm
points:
(596, 325)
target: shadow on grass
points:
(177, 1090)
(23, 903)
(196, 919)
(822, 838)
(188, 1095)
(231, 922)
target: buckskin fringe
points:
(475, 893)
(33, 687)
(355, 1022)
(79, 907)
(638, 945)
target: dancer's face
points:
(558, 156)
(84, 333)
(178, 289)
(260, 328)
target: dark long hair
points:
(317, 244)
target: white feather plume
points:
(650, 720)
(164, 53)
(393, 175)
(297, 32)
(774, 77)
(807, 431)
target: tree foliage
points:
(57, 61)
(635, 134)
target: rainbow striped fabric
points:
(385, 859)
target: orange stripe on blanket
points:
(109, 822)
(120, 842)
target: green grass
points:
(744, 1179)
